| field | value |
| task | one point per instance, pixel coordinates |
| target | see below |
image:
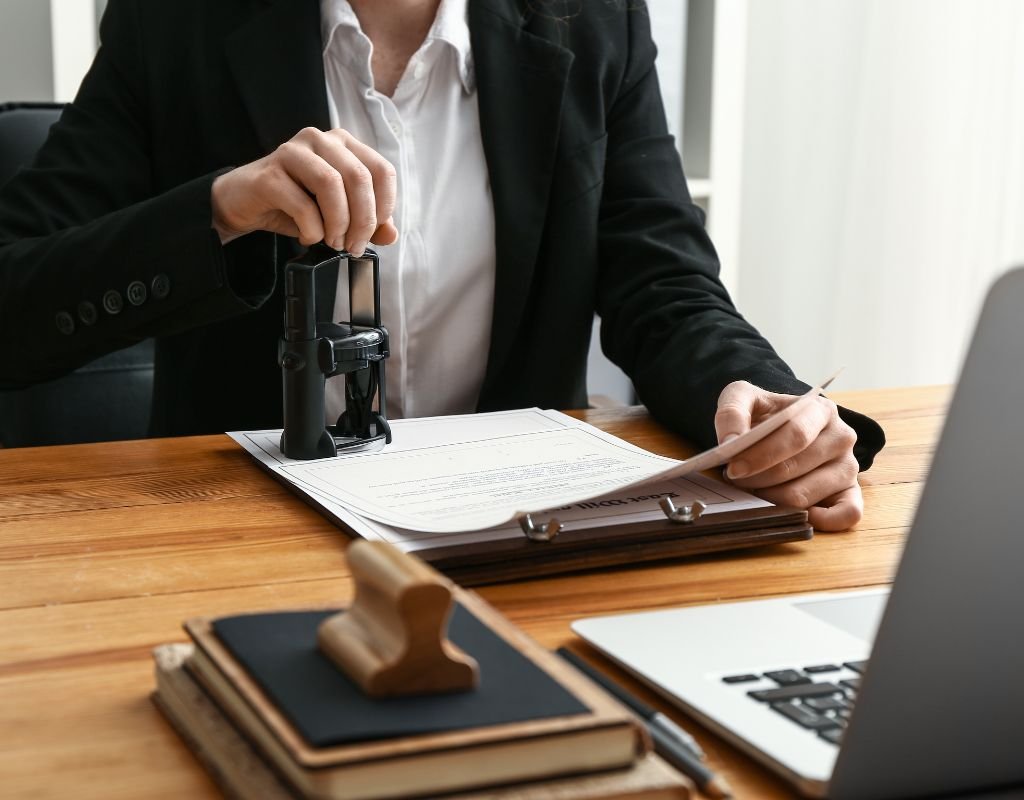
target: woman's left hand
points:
(807, 463)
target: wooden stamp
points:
(393, 640)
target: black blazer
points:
(106, 240)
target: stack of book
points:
(271, 716)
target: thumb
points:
(735, 410)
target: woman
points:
(510, 157)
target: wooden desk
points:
(105, 549)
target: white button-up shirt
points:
(437, 280)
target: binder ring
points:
(683, 514)
(539, 533)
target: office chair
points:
(104, 400)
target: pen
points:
(653, 717)
(671, 742)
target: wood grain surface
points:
(106, 548)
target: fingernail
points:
(737, 469)
(357, 248)
(730, 437)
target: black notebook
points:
(280, 652)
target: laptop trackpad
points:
(858, 615)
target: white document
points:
(462, 479)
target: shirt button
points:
(161, 286)
(137, 293)
(65, 323)
(87, 313)
(419, 70)
(112, 301)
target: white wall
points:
(46, 46)
(26, 68)
(883, 179)
(73, 29)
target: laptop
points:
(913, 692)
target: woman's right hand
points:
(317, 186)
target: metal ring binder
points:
(550, 529)
(683, 514)
(539, 533)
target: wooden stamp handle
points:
(393, 639)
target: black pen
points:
(670, 741)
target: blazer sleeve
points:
(84, 227)
(666, 318)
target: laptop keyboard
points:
(818, 697)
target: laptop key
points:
(816, 668)
(851, 683)
(792, 692)
(826, 703)
(746, 678)
(787, 677)
(804, 716)
(833, 735)
(856, 666)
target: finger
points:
(834, 442)
(838, 513)
(371, 181)
(279, 222)
(290, 198)
(385, 179)
(795, 436)
(735, 410)
(814, 487)
(362, 208)
(336, 148)
(325, 183)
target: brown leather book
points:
(241, 772)
(532, 718)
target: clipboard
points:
(539, 552)
(579, 550)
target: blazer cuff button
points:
(65, 323)
(161, 286)
(137, 293)
(87, 313)
(112, 301)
